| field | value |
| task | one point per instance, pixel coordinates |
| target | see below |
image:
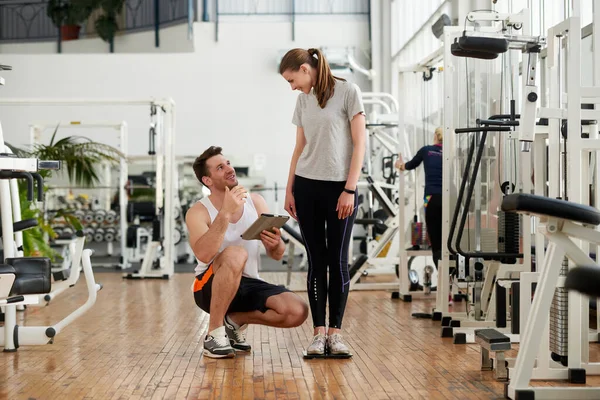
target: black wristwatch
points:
(349, 191)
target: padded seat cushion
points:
(6, 269)
(33, 275)
(546, 206)
(585, 280)
(491, 336)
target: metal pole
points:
(293, 20)
(156, 23)
(205, 15)
(216, 20)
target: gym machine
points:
(416, 78)
(377, 256)
(491, 255)
(160, 253)
(23, 279)
(68, 274)
(555, 342)
(364, 263)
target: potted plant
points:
(106, 24)
(81, 159)
(68, 15)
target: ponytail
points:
(325, 82)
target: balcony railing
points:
(288, 8)
(292, 7)
(26, 20)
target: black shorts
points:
(252, 293)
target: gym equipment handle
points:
(492, 122)
(483, 129)
(4, 174)
(40, 185)
(15, 299)
(469, 195)
(503, 116)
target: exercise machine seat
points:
(293, 233)
(584, 279)
(20, 226)
(547, 206)
(6, 269)
(32, 275)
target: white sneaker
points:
(318, 345)
(336, 345)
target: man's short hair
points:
(200, 168)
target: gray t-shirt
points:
(328, 150)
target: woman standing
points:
(431, 157)
(321, 189)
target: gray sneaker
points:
(237, 339)
(217, 346)
(336, 345)
(318, 345)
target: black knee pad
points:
(483, 44)
(458, 51)
(479, 47)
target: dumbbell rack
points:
(99, 226)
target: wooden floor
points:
(143, 339)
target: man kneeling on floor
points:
(227, 284)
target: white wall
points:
(228, 93)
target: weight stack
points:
(508, 235)
(559, 319)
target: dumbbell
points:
(109, 234)
(99, 235)
(89, 217)
(110, 217)
(80, 215)
(99, 216)
(177, 236)
(89, 234)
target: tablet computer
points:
(263, 223)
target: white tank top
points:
(233, 237)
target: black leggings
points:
(433, 220)
(316, 202)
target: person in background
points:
(431, 158)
